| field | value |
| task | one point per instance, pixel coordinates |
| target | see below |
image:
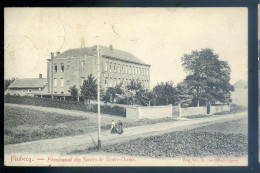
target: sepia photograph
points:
(126, 86)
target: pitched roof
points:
(104, 51)
(28, 83)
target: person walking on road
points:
(113, 127)
(120, 127)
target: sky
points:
(157, 36)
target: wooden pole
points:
(98, 95)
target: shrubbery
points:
(71, 105)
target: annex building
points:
(28, 86)
(73, 66)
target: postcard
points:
(126, 86)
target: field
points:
(218, 140)
(22, 125)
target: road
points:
(67, 145)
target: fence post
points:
(179, 107)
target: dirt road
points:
(69, 144)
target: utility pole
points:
(98, 94)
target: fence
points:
(175, 111)
(219, 108)
(150, 112)
(192, 111)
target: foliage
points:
(134, 93)
(89, 88)
(7, 83)
(74, 92)
(183, 95)
(208, 77)
(165, 94)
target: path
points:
(67, 145)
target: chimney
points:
(52, 55)
(57, 53)
(40, 76)
(111, 47)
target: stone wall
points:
(190, 111)
(150, 112)
(219, 108)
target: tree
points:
(73, 92)
(89, 88)
(208, 78)
(164, 93)
(7, 83)
(183, 94)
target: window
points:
(126, 69)
(105, 66)
(123, 70)
(110, 83)
(23, 90)
(114, 67)
(62, 92)
(61, 82)
(119, 68)
(56, 68)
(62, 68)
(110, 67)
(55, 82)
(139, 71)
(136, 71)
(29, 91)
(130, 70)
(83, 63)
(106, 82)
(82, 80)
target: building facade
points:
(73, 66)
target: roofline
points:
(126, 60)
(100, 54)
(25, 87)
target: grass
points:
(207, 141)
(23, 125)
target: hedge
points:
(71, 105)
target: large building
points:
(73, 66)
